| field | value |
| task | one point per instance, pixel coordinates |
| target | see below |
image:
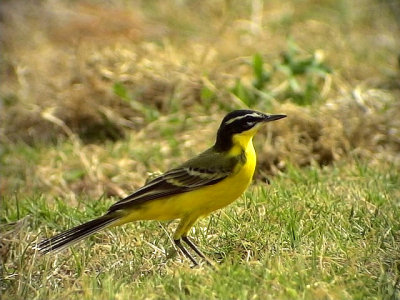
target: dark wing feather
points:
(208, 168)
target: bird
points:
(208, 182)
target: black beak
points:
(269, 118)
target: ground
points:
(97, 96)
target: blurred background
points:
(96, 94)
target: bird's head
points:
(241, 125)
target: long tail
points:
(74, 235)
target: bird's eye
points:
(250, 124)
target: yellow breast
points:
(205, 200)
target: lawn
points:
(314, 233)
(96, 97)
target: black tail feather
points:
(74, 235)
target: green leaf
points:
(121, 91)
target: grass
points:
(96, 96)
(315, 233)
(136, 61)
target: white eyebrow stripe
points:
(241, 117)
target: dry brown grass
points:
(61, 61)
(67, 139)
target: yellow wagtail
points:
(203, 184)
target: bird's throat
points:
(241, 143)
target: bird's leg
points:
(181, 235)
(185, 252)
(195, 249)
(193, 246)
(184, 226)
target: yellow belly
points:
(203, 201)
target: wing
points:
(208, 168)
